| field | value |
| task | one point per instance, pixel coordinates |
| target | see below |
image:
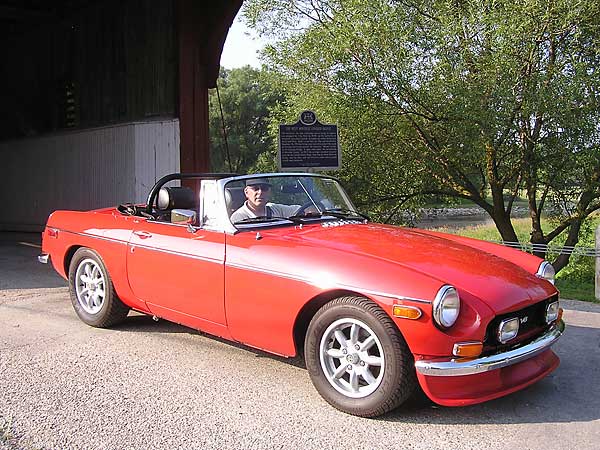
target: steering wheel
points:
(307, 205)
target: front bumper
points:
(459, 367)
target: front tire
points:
(92, 293)
(357, 359)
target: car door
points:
(179, 273)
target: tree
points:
(472, 99)
(240, 134)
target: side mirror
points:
(183, 216)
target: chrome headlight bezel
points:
(546, 272)
(503, 335)
(552, 311)
(446, 306)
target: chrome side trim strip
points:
(93, 236)
(411, 299)
(458, 367)
(394, 296)
(172, 252)
(43, 258)
(334, 285)
(185, 255)
(267, 272)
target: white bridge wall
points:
(83, 170)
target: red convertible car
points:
(285, 263)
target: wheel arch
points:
(311, 307)
(69, 257)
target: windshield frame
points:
(233, 229)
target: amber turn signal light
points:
(560, 314)
(467, 349)
(406, 312)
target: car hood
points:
(501, 284)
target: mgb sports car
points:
(287, 264)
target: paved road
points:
(146, 385)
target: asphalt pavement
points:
(148, 385)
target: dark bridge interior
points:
(70, 64)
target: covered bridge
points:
(98, 99)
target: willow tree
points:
(479, 100)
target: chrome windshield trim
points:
(458, 367)
(232, 229)
(314, 282)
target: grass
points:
(576, 281)
(576, 290)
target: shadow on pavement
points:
(138, 323)
(19, 267)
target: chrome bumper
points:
(43, 258)
(457, 367)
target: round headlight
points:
(546, 271)
(446, 306)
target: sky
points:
(241, 46)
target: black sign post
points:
(308, 145)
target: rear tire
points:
(92, 293)
(357, 359)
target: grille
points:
(532, 324)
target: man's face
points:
(258, 194)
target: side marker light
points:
(407, 312)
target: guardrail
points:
(565, 249)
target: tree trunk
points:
(502, 220)
(572, 239)
(500, 215)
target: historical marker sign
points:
(308, 144)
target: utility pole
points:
(597, 278)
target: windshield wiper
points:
(308, 215)
(265, 219)
(342, 213)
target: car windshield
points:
(265, 199)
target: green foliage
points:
(581, 269)
(475, 99)
(246, 99)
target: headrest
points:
(175, 197)
(234, 198)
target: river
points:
(459, 218)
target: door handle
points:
(142, 234)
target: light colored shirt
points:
(277, 210)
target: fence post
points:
(597, 278)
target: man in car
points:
(258, 193)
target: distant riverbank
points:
(459, 217)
